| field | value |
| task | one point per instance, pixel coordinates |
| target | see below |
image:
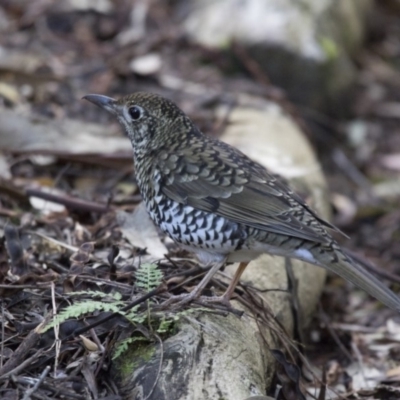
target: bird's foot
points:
(183, 299)
(179, 300)
(219, 302)
(223, 300)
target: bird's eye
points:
(135, 113)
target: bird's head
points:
(150, 121)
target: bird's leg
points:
(196, 292)
(225, 298)
(235, 280)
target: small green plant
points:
(168, 320)
(148, 277)
(123, 345)
(76, 310)
(166, 323)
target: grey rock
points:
(305, 46)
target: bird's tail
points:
(344, 266)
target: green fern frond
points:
(168, 321)
(94, 293)
(134, 317)
(165, 325)
(148, 277)
(81, 308)
(122, 346)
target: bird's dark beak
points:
(107, 103)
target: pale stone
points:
(305, 46)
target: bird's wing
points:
(217, 178)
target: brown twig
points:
(252, 66)
(16, 363)
(35, 387)
(70, 202)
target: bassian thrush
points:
(216, 202)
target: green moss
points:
(329, 47)
(138, 352)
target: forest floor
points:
(56, 57)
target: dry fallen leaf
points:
(140, 231)
(393, 373)
(45, 206)
(89, 344)
(148, 64)
(4, 167)
(391, 161)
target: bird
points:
(219, 204)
